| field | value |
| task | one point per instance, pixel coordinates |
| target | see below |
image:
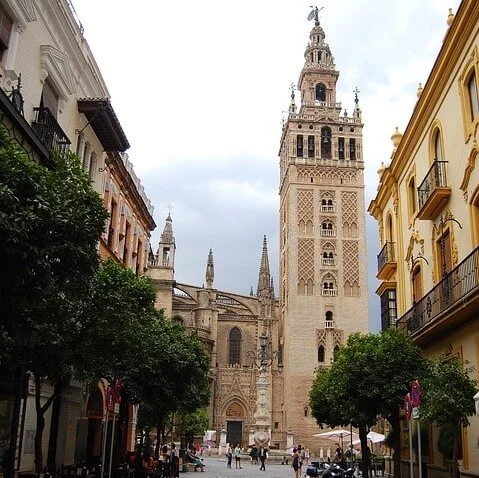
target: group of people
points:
(260, 453)
(299, 457)
(167, 466)
(236, 452)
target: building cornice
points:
(454, 45)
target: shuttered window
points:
(6, 24)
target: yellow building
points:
(427, 208)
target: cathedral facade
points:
(265, 349)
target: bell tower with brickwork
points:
(323, 280)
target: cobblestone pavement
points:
(216, 467)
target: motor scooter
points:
(335, 471)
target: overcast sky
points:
(200, 88)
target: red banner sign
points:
(415, 393)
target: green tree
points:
(369, 378)
(50, 222)
(398, 361)
(447, 392)
(174, 376)
(193, 424)
(163, 368)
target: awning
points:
(104, 123)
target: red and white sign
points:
(415, 393)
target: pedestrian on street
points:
(262, 457)
(229, 456)
(237, 454)
(295, 464)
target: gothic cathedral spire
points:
(167, 246)
(264, 273)
(162, 270)
(210, 271)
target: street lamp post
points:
(263, 359)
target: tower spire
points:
(210, 271)
(264, 274)
(165, 256)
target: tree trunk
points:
(395, 423)
(363, 436)
(158, 439)
(40, 427)
(54, 424)
(19, 385)
(40, 422)
(455, 452)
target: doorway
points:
(234, 433)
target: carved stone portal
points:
(235, 410)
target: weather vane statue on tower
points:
(314, 14)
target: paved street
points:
(216, 467)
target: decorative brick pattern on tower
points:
(322, 232)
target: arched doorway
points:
(94, 412)
(234, 424)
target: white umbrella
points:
(335, 434)
(376, 437)
(332, 434)
(373, 437)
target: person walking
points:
(237, 454)
(295, 464)
(262, 457)
(229, 457)
(306, 456)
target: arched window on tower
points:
(326, 142)
(320, 92)
(321, 354)
(235, 346)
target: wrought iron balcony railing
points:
(433, 191)
(454, 287)
(49, 131)
(386, 260)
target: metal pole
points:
(105, 434)
(411, 465)
(112, 443)
(419, 448)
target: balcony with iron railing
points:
(387, 262)
(49, 131)
(452, 301)
(329, 324)
(433, 193)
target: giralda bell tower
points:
(323, 276)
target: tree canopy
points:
(447, 398)
(369, 378)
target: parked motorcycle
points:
(335, 471)
(328, 470)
